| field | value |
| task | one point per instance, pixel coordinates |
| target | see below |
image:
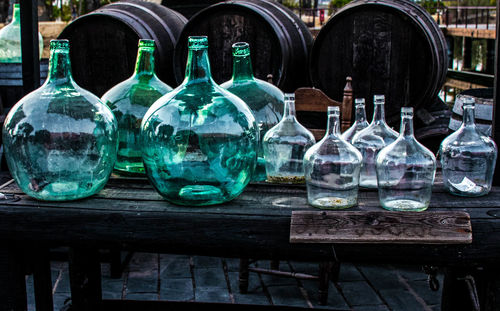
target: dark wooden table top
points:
(129, 213)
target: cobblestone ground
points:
(211, 279)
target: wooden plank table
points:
(128, 214)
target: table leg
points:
(13, 280)
(85, 279)
(471, 289)
(325, 268)
(244, 274)
(42, 280)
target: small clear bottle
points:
(405, 170)
(264, 99)
(285, 146)
(10, 39)
(129, 100)
(468, 157)
(332, 168)
(371, 140)
(360, 122)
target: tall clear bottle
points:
(285, 146)
(264, 99)
(332, 168)
(405, 170)
(129, 101)
(468, 157)
(10, 39)
(371, 140)
(60, 140)
(360, 122)
(199, 142)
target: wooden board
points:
(432, 227)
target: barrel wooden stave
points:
(388, 47)
(279, 41)
(104, 42)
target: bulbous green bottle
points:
(129, 101)
(10, 39)
(264, 99)
(60, 140)
(199, 142)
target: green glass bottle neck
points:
(16, 14)
(59, 67)
(198, 67)
(145, 64)
(242, 68)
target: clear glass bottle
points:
(60, 140)
(10, 39)
(332, 168)
(405, 170)
(371, 140)
(360, 122)
(285, 146)
(129, 101)
(199, 142)
(468, 157)
(264, 99)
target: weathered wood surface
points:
(255, 225)
(428, 227)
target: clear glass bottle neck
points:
(360, 114)
(468, 116)
(289, 113)
(378, 113)
(406, 125)
(145, 64)
(59, 64)
(333, 124)
(198, 66)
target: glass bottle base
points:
(333, 203)
(331, 199)
(404, 205)
(286, 179)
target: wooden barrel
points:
(103, 43)
(279, 41)
(390, 47)
(11, 83)
(188, 8)
(483, 109)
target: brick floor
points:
(198, 278)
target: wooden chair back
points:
(314, 100)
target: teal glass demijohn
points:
(129, 101)
(332, 168)
(60, 140)
(264, 99)
(10, 39)
(468, 157)
(199, 142)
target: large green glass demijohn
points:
(10, 39)
(129, 101)
(60, 140)
(199, 142)
(264, 99)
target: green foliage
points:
(291, 3)
(336, 4)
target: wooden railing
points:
(467, 16)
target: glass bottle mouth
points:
(59, 44)
(289, 96)
(469, 103)
(241, 49)
(197, 42)
(16, 6)
(146, 43)
(333, 110)
(406, 111)
(378, 99)
(359, 102)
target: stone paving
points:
(212, 279)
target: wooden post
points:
(467, 53)
(85, 279)
(12, 280)
(496, 113)
(29, 45)
(42, 279)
